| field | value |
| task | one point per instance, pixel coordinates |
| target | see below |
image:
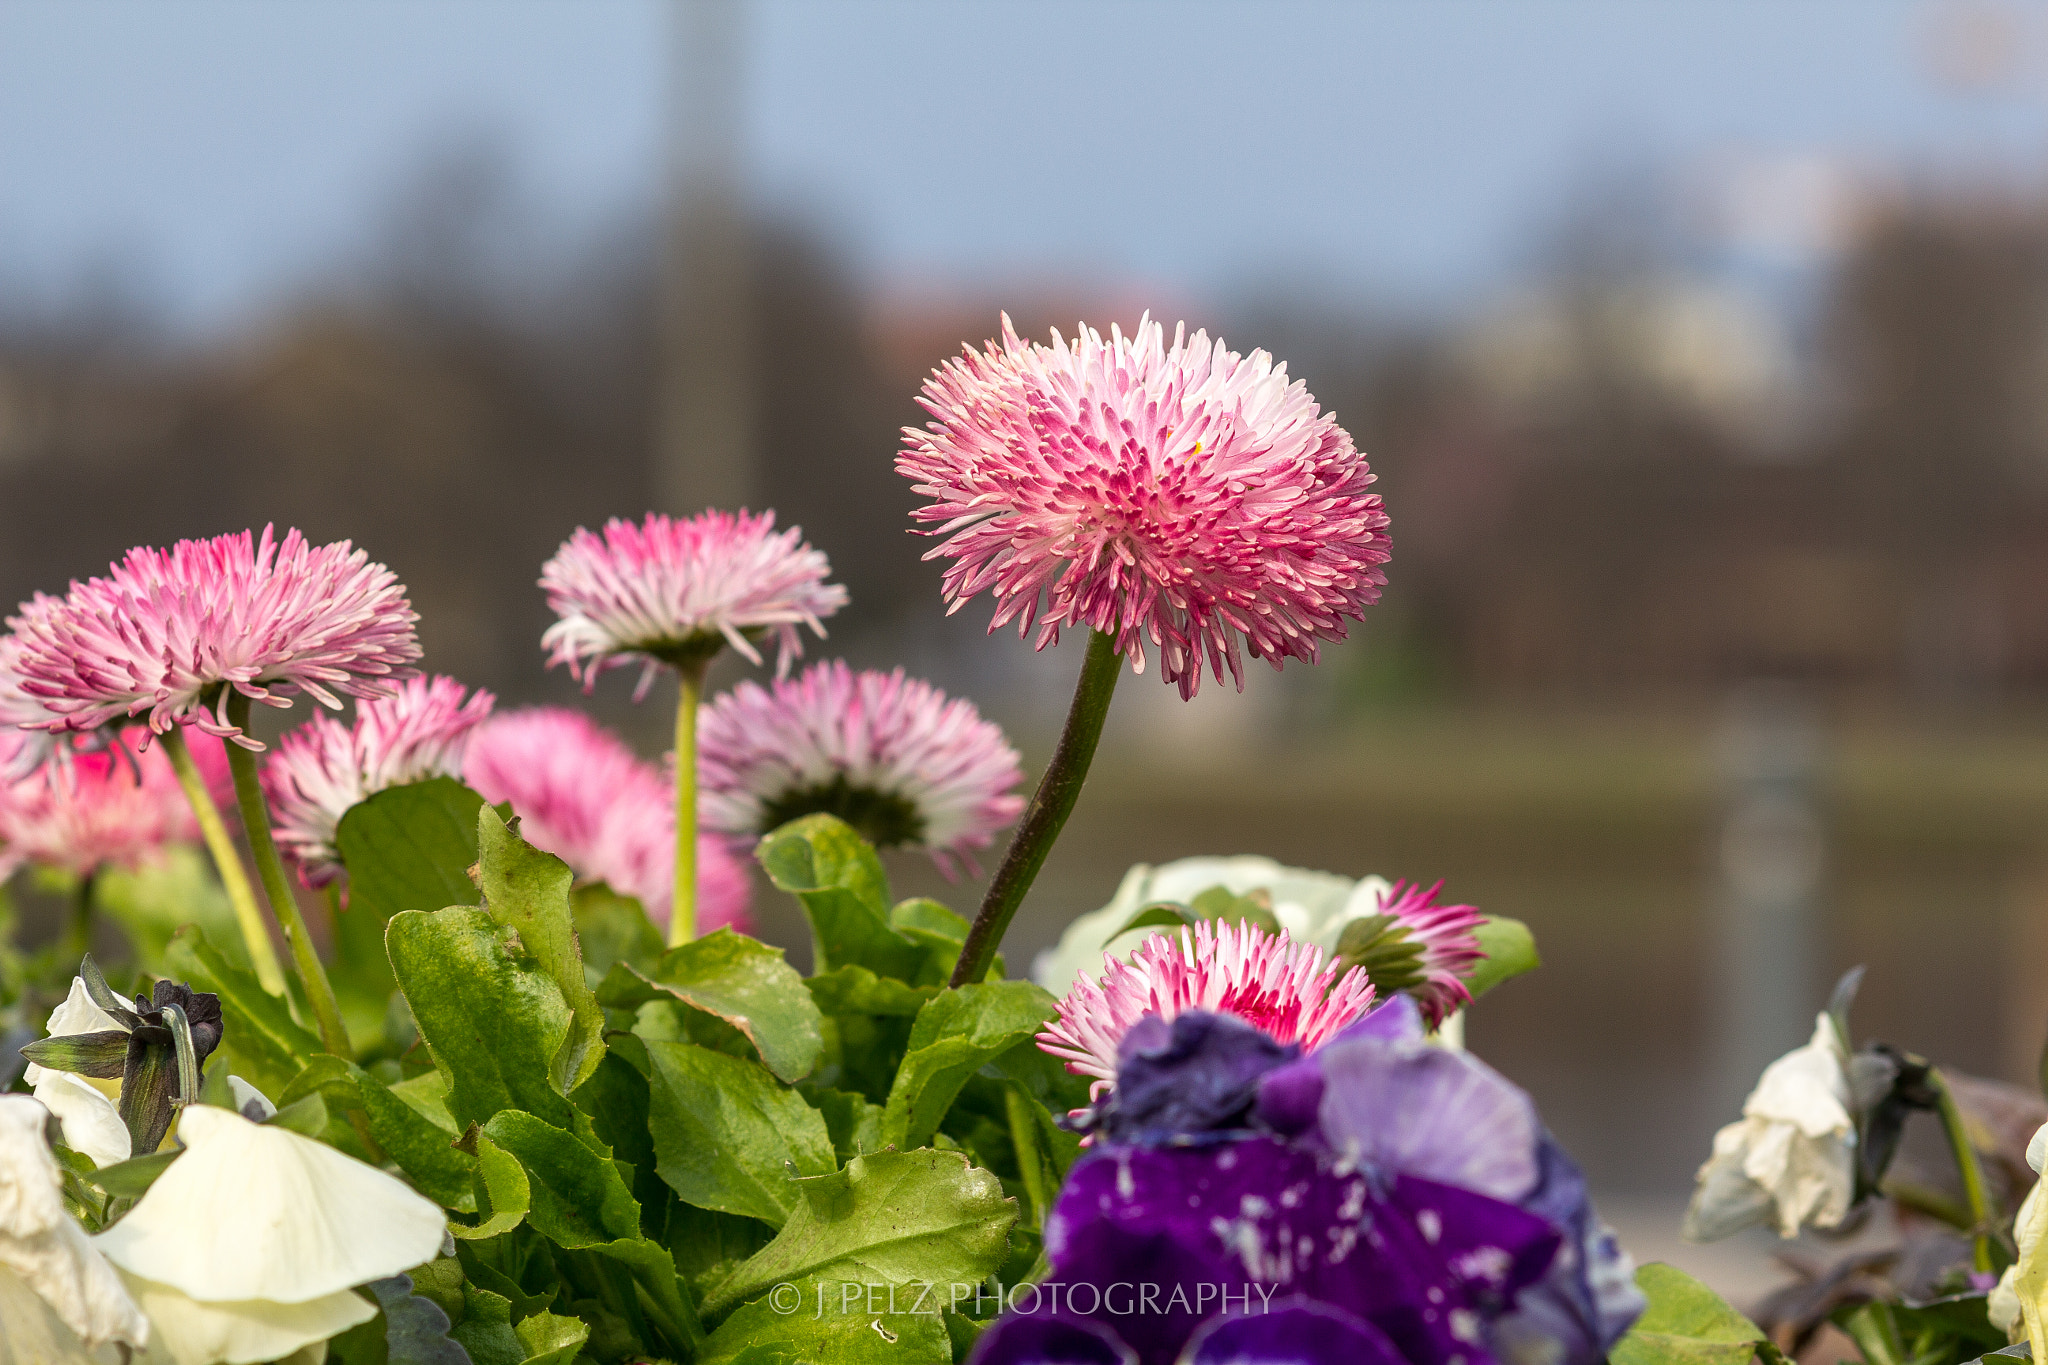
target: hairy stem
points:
(1048, 811)
(682, 918)
(234, 879)
(1957, 1132)
(283, 904)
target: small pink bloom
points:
(324, 767)
(1450, 948)
(99, 808)
(894, 757)
(167, 632)
(1188, 496)
(24, 737)
(669, 589)
(585, 797)
(1287, 989)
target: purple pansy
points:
(1192, 1079)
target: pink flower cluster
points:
(99, 808)
(876, 738)
(159, 635)
(585, 797)
(1184, 495)
(324, 767)
(672, 586)
(1287, 989)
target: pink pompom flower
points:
(1449, 943)
(167, 634)
(676, 591)
(25, 739)
(324, 767)
(1286, 989)
(894, 757)
(585, 797)
(99, 808)
(1184, 495)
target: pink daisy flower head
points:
(1286, 989)
(323, 768)
(99, 808)
(676, 591)
(167, 633)
(894, 757)
(25, 739)
(585, 797)
(1443, 944)
(1181, 494)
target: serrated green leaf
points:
(486, 1329)
(506, 1195)
(493, 1022)
(1510, 950)
(410, 848)
(551, 1339)
(527, 891)
(758, 1334)
(726, 1133)
(954, 1036)
(1686, 1323)
(891, 1218)
(265, 1046)
(856, 990)
(417, 1136)
(610, 929)
(939, 931)
(579, 1197)
(740, 980)
(836, 875)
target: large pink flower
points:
(669, 590)
(324, 767)
(25, 740)
(894, 757)
(585, 797)
(1188, 496)
(1287, 989)
(101, 807)
(167, 632)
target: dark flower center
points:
(884, 819)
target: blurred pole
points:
(704, 432)
(1772, 851)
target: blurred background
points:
(1701, 347)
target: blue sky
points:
(225, 150)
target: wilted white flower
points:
(43, 1251)
(246, 1247)
(2019, 1303)
(85, 1106)
(1313, 907)
(1791, 1158)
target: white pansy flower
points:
(84, 1105)
(246, 1247)
(45, 1252)
(1312, 907)
(2019, 1304)
(1791, 1158)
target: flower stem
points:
(78, 933)
(234, 879)
(283, 904)
(1957, 1132)
(1050, 805)
(682, 918)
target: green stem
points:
(227, 862)
(1050, 806)
(1957, 1132)
(682, 919)
(283, 904)
(78, 933)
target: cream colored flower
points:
(2019, 1304)
(44, 1251)
(1791, 1159)
(85, 1106)
(246, 1248)
(1311, 906)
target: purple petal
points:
(1397, 1019)
(1024, 1339)
(1589, 1299)
(1429, 1112)
(1297, 1333)
(1195, 1076)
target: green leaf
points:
(760, 1334)
(610, 929)
(1159, 915)
(551, 1339)
(410, 848)
(265, 1046)
(845, 893)
(891, 1218)
(740, 980)
(728, 1136)
(132, 1178)
(2018, 1351)
(938, 930)
(579, 1197)
(410, 1329)
(486, 1329)
(418, 1136)
(506, 1196)
(527, 891)
(855, 1124)
(1686, 1323)
(954, 1036)
(493, 1023)
(709, 1246)
(856, 990)
(1510, 950)
(307, 1117)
